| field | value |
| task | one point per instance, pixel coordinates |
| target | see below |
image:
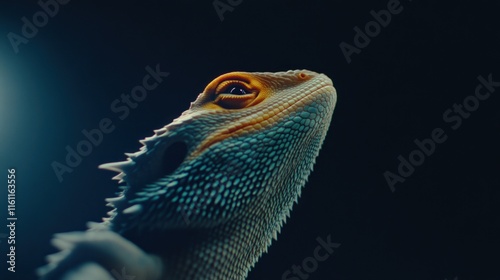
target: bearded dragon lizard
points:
(206, 194)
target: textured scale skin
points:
(247, 158)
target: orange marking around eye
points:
(227, 102)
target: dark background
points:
(441, 223)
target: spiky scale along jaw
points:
(250, 143)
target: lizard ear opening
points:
(173, 156)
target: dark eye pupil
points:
(237, 90)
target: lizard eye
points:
(234, 94)
(236, 90)
(233, 87)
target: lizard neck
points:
(228, 251)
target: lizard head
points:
(245, 134)
(251, 102)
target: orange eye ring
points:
(234, 94)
